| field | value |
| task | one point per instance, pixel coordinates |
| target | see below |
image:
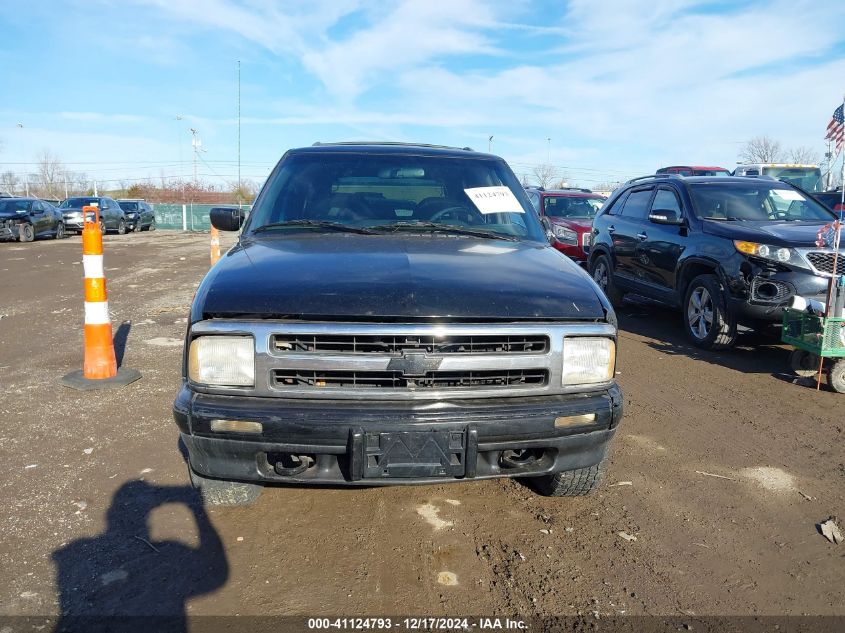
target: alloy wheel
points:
(700, 312)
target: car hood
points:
(774, 233)
(396, 276)
(582, 224)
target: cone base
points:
(77, 380)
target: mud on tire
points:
(217, 492)
(570, 483)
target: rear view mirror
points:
(547, 227)
(226, 218)
(665, 216)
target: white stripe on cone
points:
(97, 313)
(93, 265)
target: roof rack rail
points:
(581, 189)
(653, 176)
(392, 143)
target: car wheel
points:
(152, 226)
(103, 226)
(121, 227)
(570, 483)
(836, 376)
(601, 272)
(217, 492)
(60, 231)
(804, 364)
(26, 232)
(707, 321)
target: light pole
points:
(490, 144)
(20, 151)
(549, 150)
(195, 143)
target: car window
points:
(384, 190)
(666, 199)
(616, 205)
(756, 201)
(571, 207)
(636, 206)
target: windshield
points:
(570, 207)
(395, 191)
(808, 178)
(8, 206)
(755, 202)
(77, 203)
(128, 206)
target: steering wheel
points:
(458, 213)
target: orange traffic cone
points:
(99, 368)
(215, 245)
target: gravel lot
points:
(720, 473)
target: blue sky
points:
(620, 87)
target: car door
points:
(627, 228)
(659, 251)
(111, 214)
(40, 218)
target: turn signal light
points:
(236, 426)
(575, 420)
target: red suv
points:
(571, 213)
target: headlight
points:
(773, 253)
(565, 235)
(588, 360)
(222, 361)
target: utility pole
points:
(195, 143)
(239, 129)
(490, 144)
(549, 151)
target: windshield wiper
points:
(443, 228)
(319, 224)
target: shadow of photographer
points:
(125, 580)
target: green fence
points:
(188, 217)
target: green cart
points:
(816, 338)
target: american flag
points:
(836, 129)
(826, 236)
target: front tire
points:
(708, 322)
(26, 232)
(571, 483)
(60, 231)
(121, 227)
(218, 492)
(602, 273)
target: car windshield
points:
(808, 178)
(394, 192)
(754, 202)
(571, 207)
(7, 206)
(77, 203)
(128, 206)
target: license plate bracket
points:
(411, 454)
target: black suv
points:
(395, 314)
(726, 250)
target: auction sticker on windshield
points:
(788, 194)
(494, 200)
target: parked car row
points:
(25, 219)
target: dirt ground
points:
(719, 475)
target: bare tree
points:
(761, 149)
(563, 182)
(50, 175)
(803, 155)
(544, 174)
(9, 182)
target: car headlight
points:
(565, 235)
(780, 254)
(222, 361)
(588, 360)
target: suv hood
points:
(774, 233)
(369, 277)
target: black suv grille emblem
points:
(414, 363)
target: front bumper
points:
(339, 436)
(9, 231)
(578, 253)
(752, 304)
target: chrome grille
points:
(823, 262)
(390, 361)
(395, 345)
(518, 378)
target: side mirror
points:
(226, 218)
(665, 216)
(547, 227)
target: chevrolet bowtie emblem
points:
(414, 364)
